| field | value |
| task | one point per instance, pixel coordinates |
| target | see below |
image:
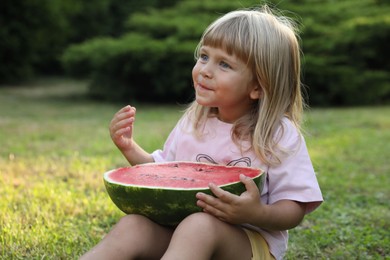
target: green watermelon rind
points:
(166, 206)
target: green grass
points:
(55, 146)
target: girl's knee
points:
(133, 222)
(201, 221)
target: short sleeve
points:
(294, 179)
(169, 150)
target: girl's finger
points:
(120, 120)
(126, 108)
(206, 200)
(210, 209)
(250, 185)
(125, 123)
(125, 112)
(221, 194)
(122, 132)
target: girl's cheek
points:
(195, 71)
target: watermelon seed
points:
(183, 179)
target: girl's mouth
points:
(202, 87)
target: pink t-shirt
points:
(294, 179)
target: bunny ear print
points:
(205, 158)
(244, 161)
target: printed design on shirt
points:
(243, 161)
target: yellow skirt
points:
(260, 249)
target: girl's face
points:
(224, 81)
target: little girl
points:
(247, 111)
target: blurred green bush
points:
(344, 45)
(143, 50)
(34, 33)
(345, 49)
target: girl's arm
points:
(247, 208)
(137, 155)
(121, 132)
(282, 215)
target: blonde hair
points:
(269, 45)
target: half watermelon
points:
(165, 192)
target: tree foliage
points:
(344, 46)
(26, 33)
(34, 33)
(143, 50)
(343, 51)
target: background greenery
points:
(143, 50)
(54, 143)
(55, 147)
(35, 33)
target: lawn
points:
(55, 146)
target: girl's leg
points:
(133, 237)
(202, 236)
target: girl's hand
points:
(247, 208)
(121, 128)
(229, 207)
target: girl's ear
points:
(256, 92)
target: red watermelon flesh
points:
(172, 175)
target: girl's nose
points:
(206, 71)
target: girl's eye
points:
(224, 65)
(203, 58)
